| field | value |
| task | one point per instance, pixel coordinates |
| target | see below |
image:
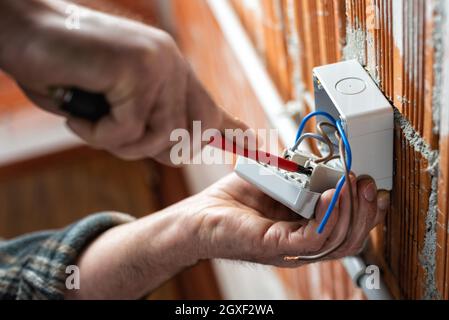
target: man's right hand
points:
(139, 69)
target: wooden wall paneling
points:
(55, 191)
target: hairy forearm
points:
(17, 19)
(12, 12)
(132, 260)
(20, 22)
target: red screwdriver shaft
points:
(264, 157)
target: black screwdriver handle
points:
(83, 104)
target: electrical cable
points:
(320, 128)
(310, 116)
(346, 159)
(341, 242)
(340, 184)
(322, 138)
(338, 124)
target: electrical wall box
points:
(346, 91)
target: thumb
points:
(383, 204)
(42, 100)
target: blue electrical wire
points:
(310, 116)
(346, 143)
(341, 183)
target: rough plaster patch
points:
(402, 99)
(372, 66)
(355, 45)
(439, 30)
(427, 256)
(415, 140)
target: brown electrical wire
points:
(324, 138)
(320, 128)
(351, 213)
(319, 138)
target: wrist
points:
(19, 22)
(173, 238)
(129, 261)
(16, 20)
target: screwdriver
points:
(92, 107)
(220, 142)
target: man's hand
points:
(231, 220)
(240, 222)
(140, 70)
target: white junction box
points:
(346, 91)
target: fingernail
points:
(383, 200)
(370, 192)
(353, 177)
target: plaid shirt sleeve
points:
(34, 266)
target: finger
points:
(383, 204)
(364, 216)
(42, 100)
(307, 240)
(108, 133)
(161, 123)
(368, 205)
(245, 195)
(344, 222)
(355, 191)
(277, 237)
